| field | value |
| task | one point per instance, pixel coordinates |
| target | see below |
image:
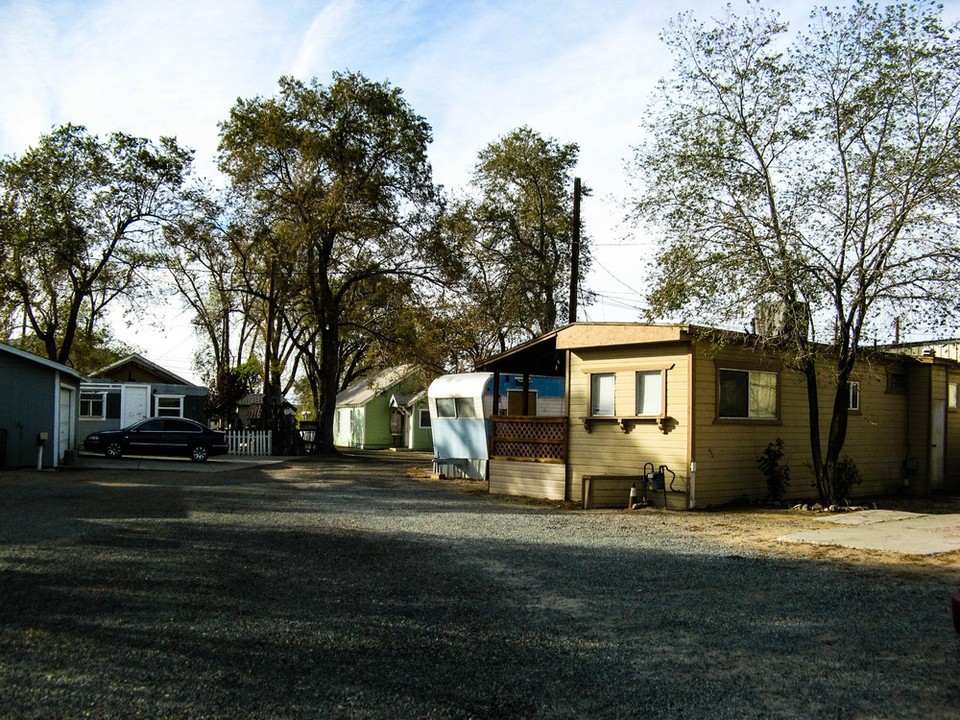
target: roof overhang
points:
(546, 354)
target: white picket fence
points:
(250, 442)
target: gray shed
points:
(39, 408)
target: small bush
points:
(775, 469)
(846, 474)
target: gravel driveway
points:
(346, 589)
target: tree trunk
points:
(328, 385)
(813, 408)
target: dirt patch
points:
(754, 529)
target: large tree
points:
(515, 236)
(339, 176)
(822, 175)
(79, 217)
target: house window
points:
(747, 394)
(168, 406)
(896, 383)
(650, 393)
(953, 395)
(424, 419)
(853, 395)
(602, 387)
(93, 405)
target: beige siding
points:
(529, 479)
(951, 480)
(608, 449)
(726, 452)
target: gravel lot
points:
(349, 589)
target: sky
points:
(578, 71)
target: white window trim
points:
(103, 405)
(661, 410)
(853, 396)
(156, 404)
(595, 379)
(421, 414)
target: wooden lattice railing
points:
(533, 439)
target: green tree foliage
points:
(822, 175)
(338, 178)
(78, 230)
(514, 239)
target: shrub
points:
(846, 474)
(775, 469)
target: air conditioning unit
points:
(776, 319)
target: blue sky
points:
(579, 71)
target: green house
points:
(386, 410)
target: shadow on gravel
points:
(244, 614)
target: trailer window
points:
(446, 408)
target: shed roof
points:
(366, 389)
(40, 360)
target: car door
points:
(178, 436)
(145, 438)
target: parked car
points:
(159, 436)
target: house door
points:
(134, 404)
(65, 420)
(938, 444)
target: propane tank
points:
(633, 496)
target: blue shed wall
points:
(28, 398)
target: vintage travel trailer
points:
(461, 408)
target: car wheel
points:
(199, 453)
(113, 450)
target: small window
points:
(446, 408)
(896, 383)
(169, 406)
(466, 407)
(853, 396)
(460, 407)
(747, 394)
(515, 402)
(602, 388)
(953, 395)
(650, 393)
(93, 405)
(424, 419)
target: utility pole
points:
(575, 253)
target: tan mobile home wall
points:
(726, 451)
(952, 473)
(606, 449)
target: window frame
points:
(179, 409)
(424, 424)
(750, 369)
(853, 388)
(595, 388)
(101, 398)
(896, 382)
(639, 387)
